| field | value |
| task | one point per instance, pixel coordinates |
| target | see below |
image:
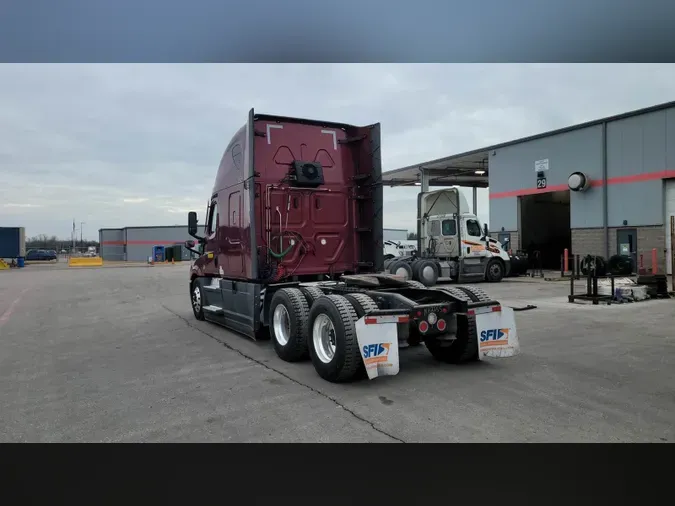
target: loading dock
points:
(544, 225)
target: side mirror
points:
(192, 223)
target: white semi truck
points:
(451, 244)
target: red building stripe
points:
(138, 243)
(636, 178)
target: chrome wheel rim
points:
(323, 337)
(428, 273)
(282, 324)
(197, 299)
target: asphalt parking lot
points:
(115, 355)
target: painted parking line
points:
(5, 316)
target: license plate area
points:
(431, 318)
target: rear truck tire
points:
(389, 256)
(462, 350)
(288, 321)
(333, 347)
(413, 268)
(427, 272)
(361, 303)
(342, 288)
(197, 297)
(494, 272)
(415, 284)
(477, 294)
(400, 268)
(311, 293)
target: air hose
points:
(282, 254)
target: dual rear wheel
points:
(324, 330)
(422, 270)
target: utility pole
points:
(81, 235)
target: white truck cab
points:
(449, 233)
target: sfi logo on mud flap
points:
(496, 336)
(376, 353)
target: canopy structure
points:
(466, 169)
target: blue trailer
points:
(13, 242)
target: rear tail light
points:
(441, 325)
(423, 327)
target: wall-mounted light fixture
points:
(578, 182)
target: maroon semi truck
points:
(292, 250)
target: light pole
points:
(81, 234)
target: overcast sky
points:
(132, 145)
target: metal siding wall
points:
(160, 236)
(670, 139)
(586, 208)
(503, 213)
(111, 252)
(512, 168)
(635, 203)
(639, 145)
(138, 253)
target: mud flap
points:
(497, 334)
(378, 343)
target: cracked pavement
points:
(115, 355)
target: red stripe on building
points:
(636, 178)
(138, 243)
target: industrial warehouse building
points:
(626, 206)
(135, 244)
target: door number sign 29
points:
(541, 180)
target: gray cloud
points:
(124, 145)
